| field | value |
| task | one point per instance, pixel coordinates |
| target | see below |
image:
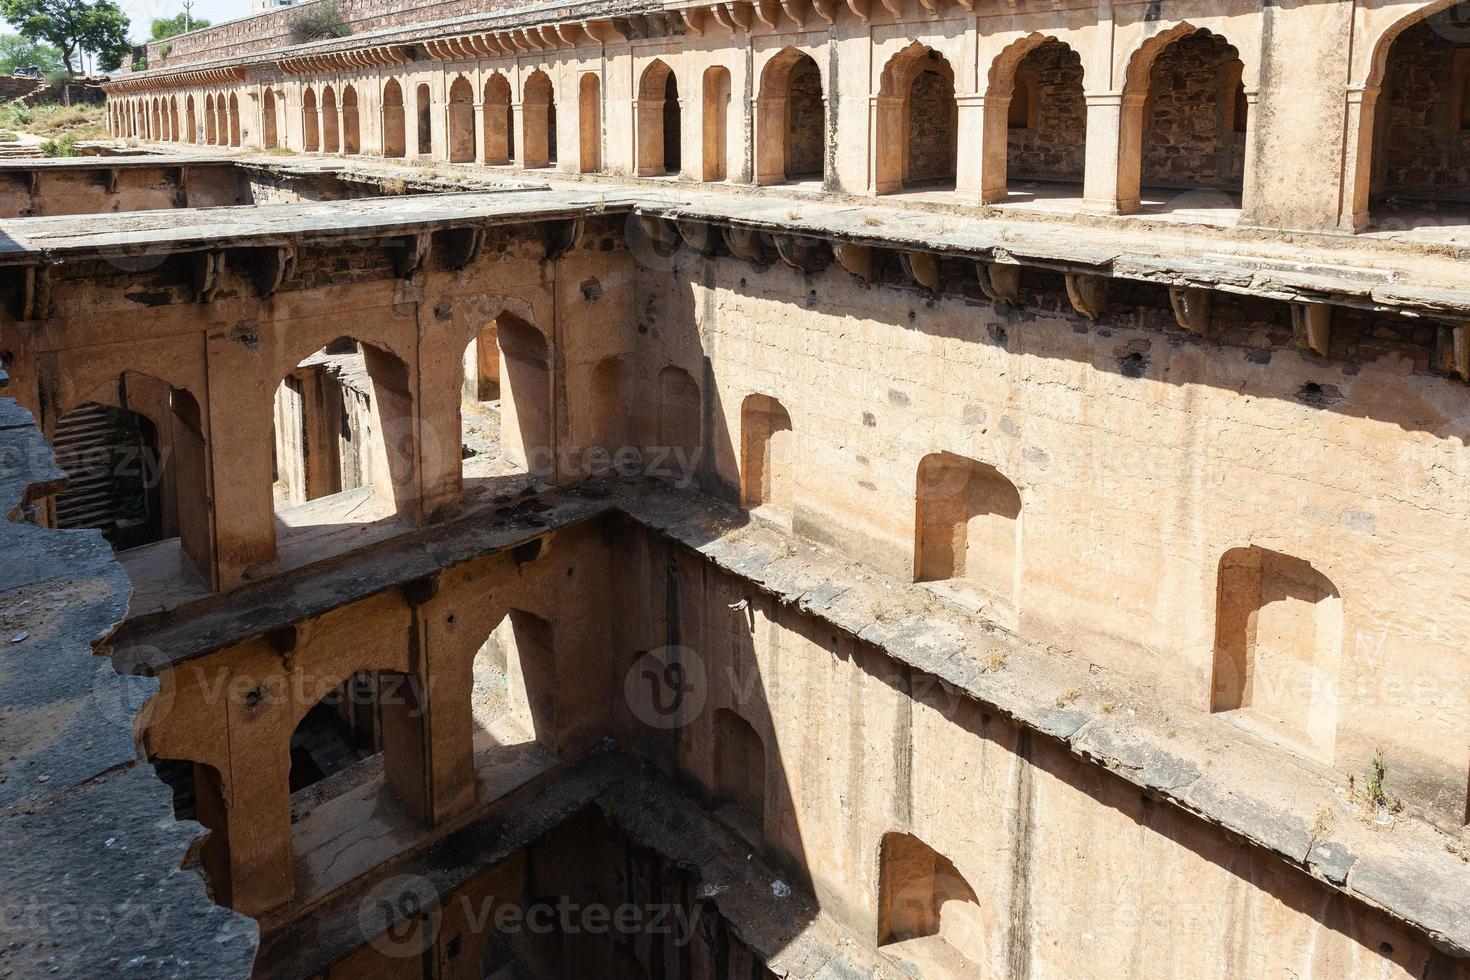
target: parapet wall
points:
(272, 29)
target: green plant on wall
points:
(318, 22)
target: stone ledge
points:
(1177, 754)
(157, 642)
(790, 933)
(1359, 274)
(90, 851)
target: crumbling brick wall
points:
(806, 122)
(272, 29)
(932, 119)
(1191, 138)
(1422, 137)
(1052, 145)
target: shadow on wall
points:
(1248, 333)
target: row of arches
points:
(333, 740)
(216, 122)
(328, 128)
(1180, 120)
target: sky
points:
(142, 12)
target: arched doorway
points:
(394, 143)
(918, 123)
(659, 133)
(1421, 123)
(928, 914)
(268, 119)
(211, 135)
(538, 110)
(351, 127)
(330, 139)
(716, 124)
(499, 123)
(791, 120)
(767, 457)
(1184, 123)
(1035, 123)
(506, 409)
(234, 119)
(461, 121)
(344, 442)
(365, 737)
(967, 533)
(140, 474)
(424, 113)
(310, 120)
(676, 456)
(589, 123)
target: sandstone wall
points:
(272, 29)
(1142, 456)
(1074, 872)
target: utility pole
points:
(188, 21)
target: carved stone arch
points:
(1366, 168)
(658, 116)
(1000, 100)
(461, 120)
(331, 130)
(538, 121)
(498, 121)
(785, 118)
(395, 134)
(1132, 126)
(893, 163)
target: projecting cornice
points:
(184, 79)
(377, 56)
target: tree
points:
(21, 52)
(165, 27)
(73, 26)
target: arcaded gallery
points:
(764, 489)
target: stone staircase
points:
(83, 444)
(20, 151)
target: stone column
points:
(982, 143)
(770, 141)
(1357, 158)
(481, 136)
(1114, 152)
(518, 122)
(885, 144)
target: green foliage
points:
(316, 22)
(15, 115)
(64, 147)
(72, 27)
(164, 27)
(22, 52)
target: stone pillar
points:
(770, 140)
(518, 122)
(1357, 159)
(982, 143)
(481, 137)
(1114, 152)
(885, 144)
(259, 826)
(1248, 175)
